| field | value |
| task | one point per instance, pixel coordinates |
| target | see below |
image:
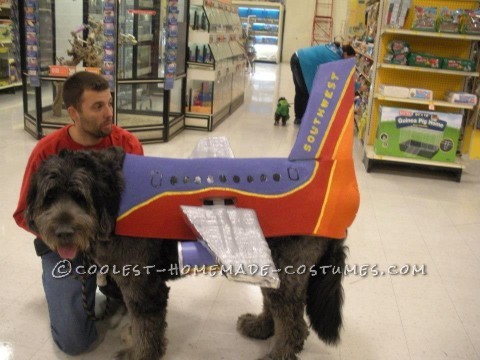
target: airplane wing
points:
(228, 237)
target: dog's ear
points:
(31, 196)
(106, 225)
(115, 153)
(108, 189)
(65, 153)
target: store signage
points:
(142, 12)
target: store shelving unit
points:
(216, 64)
(263, 24)
(133, 58)
(363, 67)
(9, 75)
(448, 45)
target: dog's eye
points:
(50, 197)
(79, 199)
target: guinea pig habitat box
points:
(418, 134)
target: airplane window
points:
(236, 179)
(210, 179)
(250, 178)
(156, 179)
(223, 178)
(173, 180)
(293, 174)
(186, 180)
(198, 180)
(263, 178)
(276, 177)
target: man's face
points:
(95, 115)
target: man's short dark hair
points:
(349, 50)
(76, 84)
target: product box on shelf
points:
(449, 20)
(396, 13)
(418, 134)
(394, 91)
(458, 64)
(461, 98)
(421, 94)
(425, 60)
(425, 18)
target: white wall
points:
(299, 24)
(68, 18)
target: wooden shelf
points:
(424, 102)
(428, 70)
(432, 34)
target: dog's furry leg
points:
(148, 309)
(290, 327)
(257, 326)
(145, 292)
(293, 256)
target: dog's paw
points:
(280, 357)
(125, 354)
(255, 326)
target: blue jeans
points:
(72, 330)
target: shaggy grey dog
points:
(73, 202)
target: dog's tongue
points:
(67, 252)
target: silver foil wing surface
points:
(234, 236)
(215, 146)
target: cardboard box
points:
(418, 134)
(396, 13)
(394, 91)
(422, 94)
(425, 60)
(461, 98)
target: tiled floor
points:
(404, 219)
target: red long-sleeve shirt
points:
(59, 140)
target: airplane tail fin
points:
(326, 131)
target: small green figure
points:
(282, 112)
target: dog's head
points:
(73, 199)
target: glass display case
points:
(125, 41)
(216, 64)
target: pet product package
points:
(418, 134)
(394, 91)
(398, 47)
(425, 18)
(425, 60)
(470, 23)
(461, 98)
(449, 20)
(458, 64)
(398, 59)
(422, 94)
(396, 13)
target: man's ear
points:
(73, 113)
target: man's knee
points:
(74, 345)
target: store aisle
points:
(404, 220)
